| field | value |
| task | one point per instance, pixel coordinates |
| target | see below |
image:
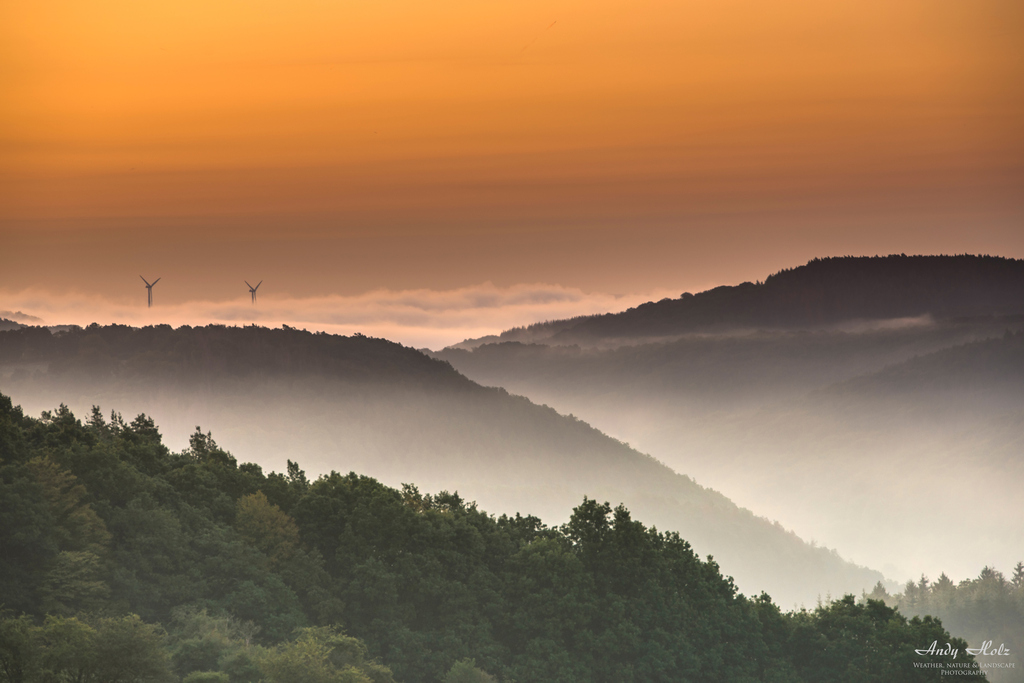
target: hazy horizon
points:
(417, 318)
(336, 150)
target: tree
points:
(17, 654)
(266, 527)
(869, 642)
(80, 527)
(212, 648)
(200, 641)
(96, 420)
(74, 583)
(67, 650)
(322, 655)
(75, 579)
(465, 671)
(113, 650)
(28, 537)
(129, 650)
(207, 677)
(1018, 576)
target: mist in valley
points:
(864, 438)
(379, 409)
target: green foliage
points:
(987, 608)
(201, 642)
(868, 642)
(102, 650)
(18, 655)
(266, 527)
(207, 677)
(28, 537)
(253, 573)
(322, 655)
(74, 583)
(465, 671)
(78, 525)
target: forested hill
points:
(370, 405)
(123, 561)
(822, 292)
(211, 355)
(994, 367)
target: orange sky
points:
(340, 146)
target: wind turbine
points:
(149, 289)
(252, 290)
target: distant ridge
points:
(823, 292)
(370, 405)
(991, 367)
(843, 397)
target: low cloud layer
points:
(418, 318)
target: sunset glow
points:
(613, 146)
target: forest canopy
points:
(124, 561)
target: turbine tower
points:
(149, 289)
(252, 290)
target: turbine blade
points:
(156, 281)
(247, 284)
(144, 280)
(258, 286)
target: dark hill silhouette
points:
(356, 403)
(204, 356)
(823, 292)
